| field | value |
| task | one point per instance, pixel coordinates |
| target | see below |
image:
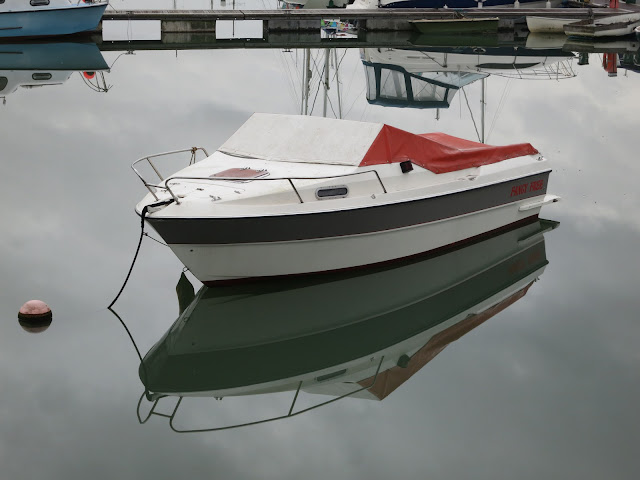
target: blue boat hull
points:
(65, 56)
(51, 22)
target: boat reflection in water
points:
(430, 77)
(360, 334)
(31, 65)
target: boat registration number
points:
(526, 187)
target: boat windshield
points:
(392, 85)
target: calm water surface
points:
(548, 387)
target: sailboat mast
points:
(335, 59)
(306, 80)
(327, 53)
(483, 106)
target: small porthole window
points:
(339, 191)
(3, 83)
(39, 3)
(41, 76)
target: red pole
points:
(610, 63)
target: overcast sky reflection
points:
(548, 388)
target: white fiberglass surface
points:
(305, 139)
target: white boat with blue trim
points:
(47, 18)
(290, 195)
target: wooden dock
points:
(380, 20)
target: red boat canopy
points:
(437, 152)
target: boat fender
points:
(406, 166)
(403, 361)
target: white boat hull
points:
(614, 26)
(221, 263)
(269, 203)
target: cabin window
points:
(41, 76)
(39, 3)
(338, 191)
(328, 376)
(3, 80)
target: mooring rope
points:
(142, 215)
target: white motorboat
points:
(611, 26)
(430, 77)
(44, 18)
(289, 195)
(250, 339)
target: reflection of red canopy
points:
(437, 152)
(391, 379)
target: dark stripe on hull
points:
(283, 228)
(385, 264)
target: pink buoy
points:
(35, 316)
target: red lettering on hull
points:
(519, 190)
(527, 187)
(536, 185)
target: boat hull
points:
(68, 56)
(459, 3)
(225, 250)
(458, 25)
(547, 24)
(51, 22)
(615, 26)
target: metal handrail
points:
(148, 158)
(291, 413)
(289, 179)
(194, 150)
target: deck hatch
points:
(240, 174)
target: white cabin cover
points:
(302, 139)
